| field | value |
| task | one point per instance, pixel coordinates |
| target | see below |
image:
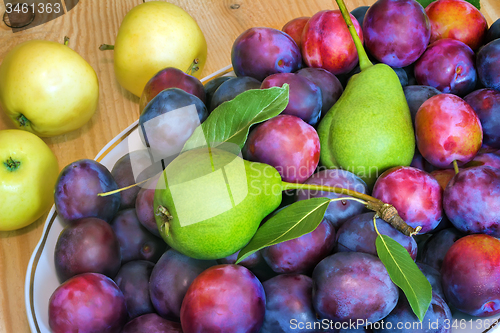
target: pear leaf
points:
(426, 3)
(230, 122)
(291, 222)
(405, 274)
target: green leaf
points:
(426, 3)
(231, 121)
(405, 274)
(293, 221)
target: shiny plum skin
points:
(326, 42)
(225, 290)
(255, 263)
(232, 88)
(136, 242)
(358, 235)
(305, 99)
(171, 77)
(212, 86)
(414, 193)
(288, 300)
(301, 254)
(260, 52)
(168, 120)
(486, 104)
(396, 32)
(472, 200)
(87, 302)
(151, 323)
(88, 245)
(130, 169)
(170, 280)
(449, 66)
(144, 207)
(334, 298)
(493, 32)
(447, 129)
(489, 159)
(436, 247)
(434, 277)
(295, 27)
(287, 143)
(338, 211)
(330, 86)
(487, 59)
(471, 275)
(416, 96)
(457, 19)
(437, 319)
(75, 194)
(133, 281)
(359, 13)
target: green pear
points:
(209, 202)
(369, 129)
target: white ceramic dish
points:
(41, 279)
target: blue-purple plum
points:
(416, 96)
(231, 292)
(493, 32)
(231, 88)
(472, 200)
(212, 86)
(447, 65)
(301, 254)
(133, 281)
(260, 52)
(255, 263)
(75, 193)
(88, 245)
(487, 59)
(171, 278)
(402, 319)
(358, 235)
(396, 32)
(287, 143)
(471, 275)
(338, 211)
(359, 13)
(486, 104)
(434, 277)
(305, 99)
(329, 84)
(151, 323)
(353, 285)
(88, 302)
(289, 304)
(136, 242)
(438, 244)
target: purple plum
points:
(447, 65)
(416, 96)
(144, 207)
(76, 190)
(260, 52)
(330, 86)
(305, 99)
(396, 32)
(438, 244)
(232, 88)
(88, 302)
(472, 200)
(212, 86)
(151, 323)
(486, 104)
(359, 13)
(493, 32)
(489, 159)
(255, 263)
(487, 59)
(434, 277)
(88, 245)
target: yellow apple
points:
(47, 88)
(152, 36)
(28, 174)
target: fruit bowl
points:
(41, 279)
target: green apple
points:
(155, 35)
(47, 88)
(28, 174)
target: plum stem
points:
(455, 166)
(193, 67)
(385, 211)
(364, 61)
(105, 194)
(12, 164)
(106, 47)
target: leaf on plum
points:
(293, 221)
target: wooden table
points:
(91, 23)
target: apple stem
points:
(106, 47)
(455, 166)
(23, 121)
(11, 164)
(385, 211)
(66, 40)
(364, 61)
(193, 67)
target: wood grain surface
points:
(91, 23)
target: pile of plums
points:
(118, 275)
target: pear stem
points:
(455, 166)
(383, 210)
(106, 47)
(364, 61)
(193, 67)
